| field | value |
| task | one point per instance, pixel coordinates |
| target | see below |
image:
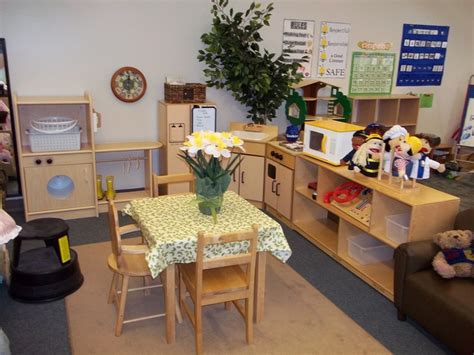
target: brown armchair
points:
(443, 307)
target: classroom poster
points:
(467, 129)
(333, 44)
(298, 40)
(422, 55)
(371, 73)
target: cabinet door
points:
(234, 182)
(270, 183)
(46, 192)
(283, 190)
(251, 177)
(174, 127)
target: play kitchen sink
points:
(247, 135)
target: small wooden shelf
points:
(388, 110)
(319, 97)
(126, 146)
(53, 100)
(26, 151)
(322, 231)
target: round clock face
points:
(128, 84)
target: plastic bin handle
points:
(62, 130)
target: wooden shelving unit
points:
(388, 110)
(330, 227)
(123, 197)
(319, 97)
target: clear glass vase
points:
(210, 194)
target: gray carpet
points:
(463, 187)
(42, 328)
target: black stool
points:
(46, 273)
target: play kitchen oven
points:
(328, 140)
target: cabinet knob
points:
(49, 161)
(38, 161)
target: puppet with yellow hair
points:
(403, 155)
(366, 159)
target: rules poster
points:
(422, 55)
(298, 41)
(333, 44)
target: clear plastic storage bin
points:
(367, 250)
(397, 227)
(45, 142)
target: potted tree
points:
(256, 78)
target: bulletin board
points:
(371, 73)
(422, 55)
(203, 118)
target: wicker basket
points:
(187, 93)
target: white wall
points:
(66, 47)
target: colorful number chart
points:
(371, 73)
(422, 55)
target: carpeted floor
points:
(298, 319)
(42, 328)
(463, 187)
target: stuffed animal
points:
(456, 257)
(366, 159)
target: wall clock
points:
(128, 84)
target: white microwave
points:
(328, 140)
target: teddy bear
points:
(456, 257)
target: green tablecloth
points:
(171, 223)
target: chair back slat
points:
(227, 238)
(240, 259)
(172, 179)
(114, 231)
(246, 258)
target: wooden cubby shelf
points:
(388, 110)
(333, 228)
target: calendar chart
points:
(371, 73)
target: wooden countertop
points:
(276, 144)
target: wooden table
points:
(170, 225)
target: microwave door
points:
(317, 141)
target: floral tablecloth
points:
(171, 223)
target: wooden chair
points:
(220, 280)
(127, 261)
(172, 179)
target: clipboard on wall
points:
(203, 118)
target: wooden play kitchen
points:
(58, 157)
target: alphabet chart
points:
(371, 73)
(422, 55)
